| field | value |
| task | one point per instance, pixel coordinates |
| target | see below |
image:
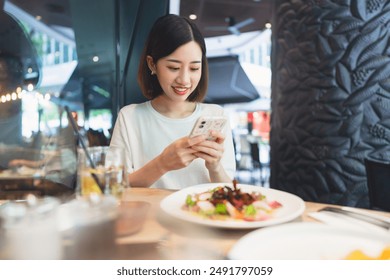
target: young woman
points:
(173, 75)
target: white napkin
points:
(346, 222)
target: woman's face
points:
(179, 73)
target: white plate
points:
(293, 206)
(307, 241)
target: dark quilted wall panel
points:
(330, 97)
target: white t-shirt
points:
(145, 133)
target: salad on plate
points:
(227, 203)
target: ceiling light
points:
(95, 58)
(268, 25)
(193, 16)
(38, 17)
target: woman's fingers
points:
(191, 141)
(219, 136)
(180, 153)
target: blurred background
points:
(57, 54)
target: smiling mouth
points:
(181, 90)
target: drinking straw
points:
(84, 146)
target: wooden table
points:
(163, 237)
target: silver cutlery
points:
(359, 216)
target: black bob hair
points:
(168, 33)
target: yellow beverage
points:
(106, 164)
(88, 184)
(112, 179)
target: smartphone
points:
(207, 123)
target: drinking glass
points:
(29, 229)
(101, 170)
(92, 229)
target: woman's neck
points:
(175, 110)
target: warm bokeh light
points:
(30, 87)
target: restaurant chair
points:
(243, 160)
(236, 154)
(378, 183)
(257, 164)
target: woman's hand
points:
(177, 155)
(180, 153)
(211, 151)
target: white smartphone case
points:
(207, 123)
